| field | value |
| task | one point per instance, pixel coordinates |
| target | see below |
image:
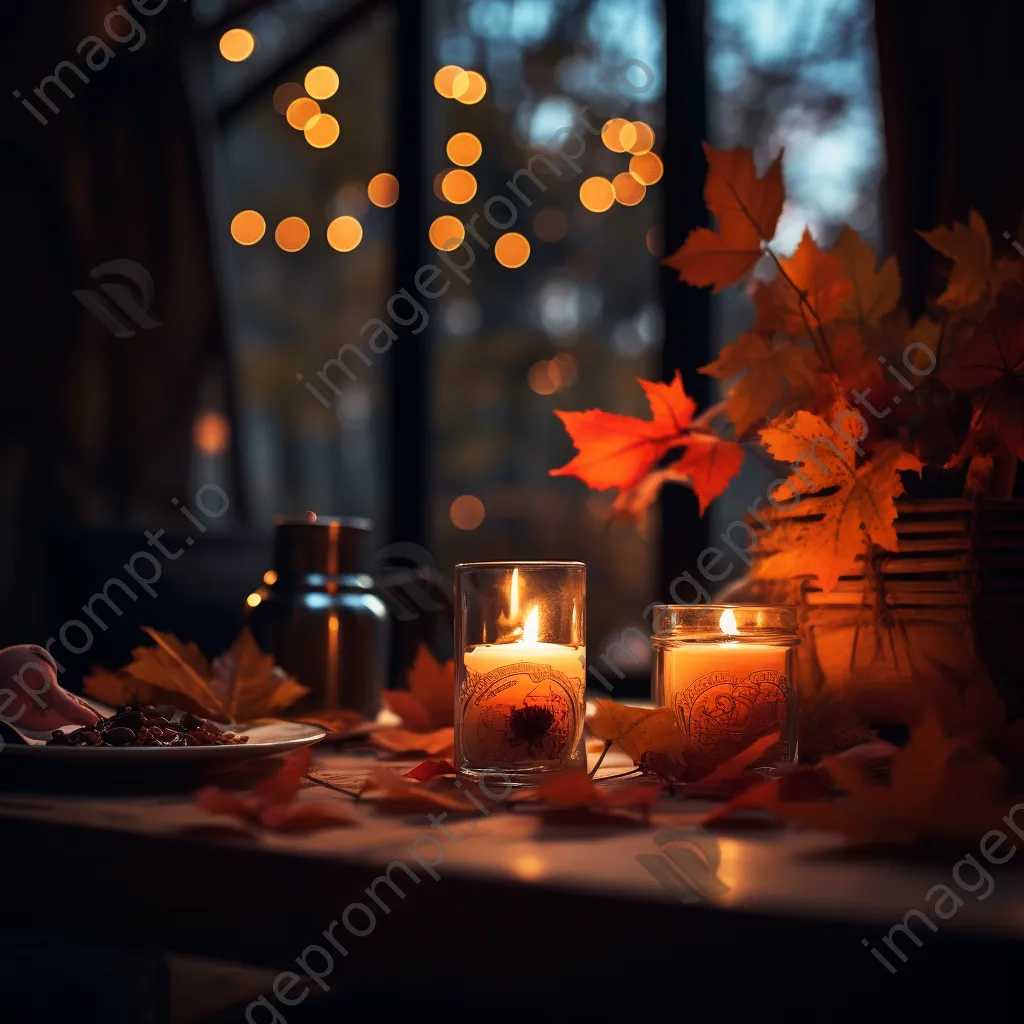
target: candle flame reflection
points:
(727, 623)
(513, 597)
(531, 628)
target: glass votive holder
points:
(727, 672)
(520, 664)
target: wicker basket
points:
(951, 596)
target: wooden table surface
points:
(562, 898)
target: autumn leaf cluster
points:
(832, 379)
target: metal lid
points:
(330, 545)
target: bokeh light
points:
(469, 87)
(550, 224)
(445, 78)
(322, 131)
(447, 233)
(563, 370)
(383, 190)
(270, 577)
(464, 149)
(286, 94)
(292, 234)
(253, 599)
(301, 111)
(344, 233)
(321, 82)
(466, 512)
(351, 198)
(512, 250)
(438, 181)
(647, 168)
(597, 194)
(539, 378)
(211, 433)
(618, 134)
(643, 139)
(236, 44)
(458, 186)
(248, 227)
(628, 191)
(653, 241)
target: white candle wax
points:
(726, 694)
(522, 702)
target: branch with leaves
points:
(829, 339)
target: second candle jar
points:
(520, 662)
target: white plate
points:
(268, 736)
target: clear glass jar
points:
(520, 664)
(727, 672)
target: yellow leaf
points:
(637, 730)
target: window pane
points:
(801, 76)
(323, 266)
(574, 325)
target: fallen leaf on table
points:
(940, 788)
(705, 780)
(747, 209)
(392, 794)
(429, 703)
(637, 730)
(339, 723)
(572, 798)
(241, 685)
(271, 805)
(248, 682)
(428, 769)
(401, 742)
(732, 775)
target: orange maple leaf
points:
(769, 373)
(429, 703)
(991, 367)
(940, 788)
(747, 209)
(817, 292)
(875, 291)
(617, 451)
(856, 504)
(272, 805)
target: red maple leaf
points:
(747, 208)
(618, 451)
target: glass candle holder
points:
(520, 664)
(727, 672)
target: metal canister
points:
(320, 616)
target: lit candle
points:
(726, 688)
(522, 698)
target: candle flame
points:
(727, 623)
(513, 597)
(531, 628)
